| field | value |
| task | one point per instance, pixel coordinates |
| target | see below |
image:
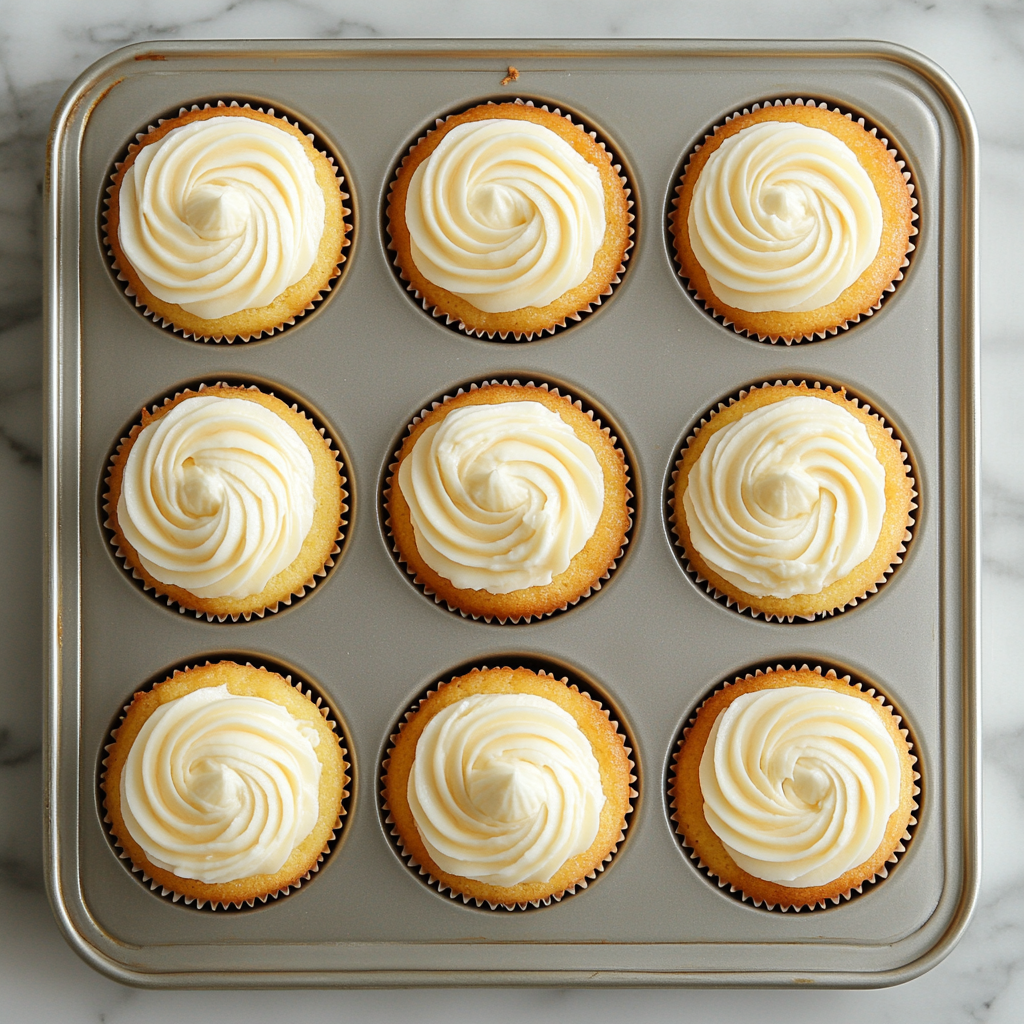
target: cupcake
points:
(795, 788)
(226, 223)
(793, 221)
(509, 219)
(224, 785)
(792, 501)
(226, 501)
(508, 502)
(508, 788)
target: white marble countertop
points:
(46, 44)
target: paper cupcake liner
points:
(200, 903)
(822, 904)
(187, 333)
(443, 888)
(299, 592)
(453, 321)
(774, 339)
(423, 587)
(727, 599)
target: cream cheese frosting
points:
(787, 499)
(217, 496)
(783, 217)
(221, 215)
(219, 786)
(501, 497)
(799, 783)
(505, 214)
(505, 788)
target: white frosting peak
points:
(799, 783)
(217, 496)
(505, 788)
(505, 214)
(221, 215)
(787, 499)
(783, 217)
(219, 786)
(501, 497)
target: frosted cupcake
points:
(509, 219)
(508, 502)
(224, 785)
(793, 221)
(226, 501)
(508, 788)
(795, 787)
(792, 501)
(226, 222)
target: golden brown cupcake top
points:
(226, 500)
(502, 497)
(224, 782)
(509, 500)
(792, 220)
(795, 785)
(226, 221)
(509, 785)
(794, 500)
(217, 496)
(509, 217)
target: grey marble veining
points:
(44, 45)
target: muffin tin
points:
(652, 640)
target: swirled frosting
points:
(501, 497)
(219, 786)
(221, 215)
(783, 217)
(217, 496)
(799, 783)
(787, 499)
(505, 788)
(505, 214)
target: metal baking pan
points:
(367, 361)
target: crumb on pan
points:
(512, 76)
